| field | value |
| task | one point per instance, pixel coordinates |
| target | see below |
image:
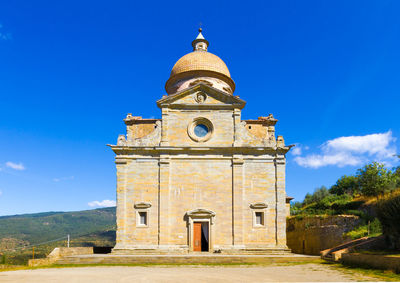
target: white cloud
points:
(339, 159)
(63, 179)
(104, 203)
(352, 151)
(1, 193)
(375, 144)
(296, 150)
(15, 166)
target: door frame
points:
(200, 215)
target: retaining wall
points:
(312, 234)
(384, 262)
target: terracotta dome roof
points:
(200, 61)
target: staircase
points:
(335, 253)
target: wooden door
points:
(197, 236)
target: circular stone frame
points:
(198, 121)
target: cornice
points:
(170, 149)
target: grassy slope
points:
(41, 227)
(87, 228)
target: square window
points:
(143, 218)
(259, 218)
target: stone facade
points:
(200, 163)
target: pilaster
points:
(280, 193)
(163, 200)
(236, 121)
(237, 200)
(121, 212)
(164, 128)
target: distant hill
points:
(89, 227)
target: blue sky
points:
(70, 71)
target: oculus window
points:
(200, 129)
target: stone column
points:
(280, 193)
(237, 201)
(163, 201)
(121, 216)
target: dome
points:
(200, 61)
(200, 65)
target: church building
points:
(200, 179)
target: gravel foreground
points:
(100, 274)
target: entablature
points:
(128, 150)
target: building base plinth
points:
(182, 250)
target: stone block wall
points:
(259, 187)
(177, 122)
(179, 184)
(199, 183)
(224, 177)
(312, 234)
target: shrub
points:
(359, 232)
(362, 230)
(388, 212)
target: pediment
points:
(141, 205)
(200, 212)
(201, 96)
(258, 205)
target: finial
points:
(200, 43)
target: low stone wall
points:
(384, 262)
(72, 251)
(58, 253)
(40, 261)
(312, 234)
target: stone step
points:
(256, 251)
(183, 259)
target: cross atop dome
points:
(200, 43)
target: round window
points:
(200, 129)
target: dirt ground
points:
(100, 274)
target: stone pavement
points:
(193, 274)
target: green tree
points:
(374, 179)
(295, 207)
(396, 173)
(318, 195)
(345, 185)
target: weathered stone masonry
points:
(200, 164)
